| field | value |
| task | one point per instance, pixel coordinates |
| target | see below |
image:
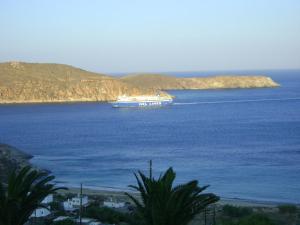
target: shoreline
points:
(87, 100)
(118, 193)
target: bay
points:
(245, 143)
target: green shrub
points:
(56, 206)
(65, 222)
(256, 219)
(111, 216)
(287, 209)
(104, 214)
(226, 221)
(236, 212)
(60, 197)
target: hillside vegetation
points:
(33, 82)
(163, 82)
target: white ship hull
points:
(141, 101)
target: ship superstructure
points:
(142, 101)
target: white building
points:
(61, 218)
(48, 199)
(113, 204)
(95, 223)
(74, 203)
(40, 212)
(68, 205)
(88, 221)
(84, 221)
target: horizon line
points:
(156, 72)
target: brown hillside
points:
(40, 82)
(162, 82)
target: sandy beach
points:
(120, 195)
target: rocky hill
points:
(11, 159)
(163, 82)
(35, 82)
(42, 82)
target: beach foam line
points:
(96, 188)
(237, 101)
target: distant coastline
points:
(56, 83)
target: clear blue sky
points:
(152, 35)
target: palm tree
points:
(24, 192)
(163, 204)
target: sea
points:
(244, 143)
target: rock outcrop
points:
(11, 159)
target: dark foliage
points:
(65, 222)
(236, 212)
(105, 214)
(254, 219)
(23, 194)
(287, 209)
(163, 204)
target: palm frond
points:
(24, 193)
(163, 204)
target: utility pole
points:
(214, 215)
(205, 219)
(34, 219)
(80, 210)
(150, 164)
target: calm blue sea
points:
(245, 143)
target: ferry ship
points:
(142, 101)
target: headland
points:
(22, 82)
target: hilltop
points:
(44, 82)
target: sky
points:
(152, 35)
